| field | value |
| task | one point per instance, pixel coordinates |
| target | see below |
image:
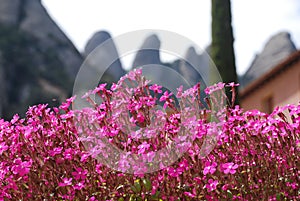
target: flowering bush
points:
(127, 147)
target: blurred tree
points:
(222, 52)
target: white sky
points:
(254, 21)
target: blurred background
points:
(43, 43)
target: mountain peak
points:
(148, 53)
(97, 39)
(43, 57)
(277, 48)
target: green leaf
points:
(132, 198)
(229, 194)
(147, 184)
(133, 188)
(137, 185)
(278, 197)
(155, 196)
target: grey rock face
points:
(279, 47)
(43, 63)
(96, 40)
(180, 72)
(148, 57)
(38, 23)
(2, 85)
(102, 54)
(10, 11)
(195, 67)
(148, 52)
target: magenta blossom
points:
(155, 88)
(143, 147)
(66, 182)
(165, 96)
(212, 185)
(79, 173)
(66, 155)
(210, 168)
(20, 167)
(3, 147)
(229, 168)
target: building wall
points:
(283, 89)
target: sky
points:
(253, 21)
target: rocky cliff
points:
(148, 52)
(103, 56)
(176, 73)
(194, 61)
(39, 63)
(278, 47)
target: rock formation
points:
(103, 55)
(39, 24)
(195, 66)
(2, 85)
(174, 74)
(39, 63)
(10, 12)
(148, 52)
(279, 47)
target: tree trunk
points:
(222, 52)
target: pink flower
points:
(133, 74)
(174, 172)
(93, 199)
(229, 168)
(65, 106)
(294, 185)
(212, 185)
(232, 84)
(84, 157)
(79, 186)
(165, 96)
(66, 182)
(21, 167)
(156, 88)
(68, 115)
(184, 165)
(68, 154)
(149, 101)
(210, 168)
(87, 94)
(189, 194)
(140, 169)
(198, 180)
(80, 173)
(55, 151)
(143, 147)
(123, 163)
(225, 187)
(3, 147)
(149, 156)
(15, 119)
(98, 168)
(214, 88)
(179, 91)
(140, 118)
(114, 86)
(101, 87)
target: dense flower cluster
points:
(112, 150)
